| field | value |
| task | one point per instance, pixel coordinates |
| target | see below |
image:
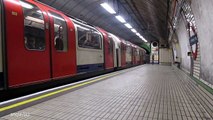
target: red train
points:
(40, 44)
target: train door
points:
(115, 54)
(116, 51)
(118, 57)
(27, 43)
(111, 49)
(61, 39)
(123, 54)
(1, 55)
(138, 56)
(134, 55)
(128, 55)
(119, 54)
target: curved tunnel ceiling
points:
(148, 17)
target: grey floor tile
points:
(146, 92)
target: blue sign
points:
(193, 40)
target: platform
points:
(148, 92)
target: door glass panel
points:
(60, 32)
(34, 33)
(89, 38)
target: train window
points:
(34, 33)
(60, 32)
(89, 38)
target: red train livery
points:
(40, 44)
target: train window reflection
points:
(34, 33)
(88, 38)
(60, 32)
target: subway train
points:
(40, 44)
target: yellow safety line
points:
(53, 93)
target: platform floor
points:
(148, 92)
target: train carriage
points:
(44, 45)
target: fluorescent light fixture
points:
(121, 19)
(108, 8)
(128, 25)
(133, 30)
(144, 40)
(138, 34)
(141, 37)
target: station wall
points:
(184, 46)
(204, 19)
(165, 56)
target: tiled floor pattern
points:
(150, 92)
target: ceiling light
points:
(141, 37)
(108, 8)
(138, 34)
(121, 19)
(128, 25)
(144, 40)
(133, 30)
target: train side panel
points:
(1, 47)
(27, 44)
